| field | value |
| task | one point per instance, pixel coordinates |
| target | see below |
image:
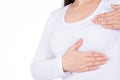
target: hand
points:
(78, 61)
(110, 20)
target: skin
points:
(110, 20)
(79, 61)
(80, 9)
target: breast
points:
(61, 40)
(98, 38)
(95, 38)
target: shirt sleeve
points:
(45, 66)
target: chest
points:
(95, 38)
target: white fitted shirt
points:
(58, 36)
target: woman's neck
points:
(78, 3)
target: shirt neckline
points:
(81, 21)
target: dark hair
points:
(67, 2)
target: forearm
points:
(47, 69)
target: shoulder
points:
(55, 16)
(58, 12)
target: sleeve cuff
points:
(59, 61)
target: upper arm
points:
(44, 50)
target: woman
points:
(74, 48)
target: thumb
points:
(77, 44)
(115, 6)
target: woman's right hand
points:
(78, 61)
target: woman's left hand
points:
(109, 20)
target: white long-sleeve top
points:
(58, 36)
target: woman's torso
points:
(95, 38)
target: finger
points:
(115, 6)
(107, 22)
(93, 68)
(111, 26)
(113, 22)
(96, 59)
(108, 19)
(93, 54)
(103, 17)
(77, 45)
(108, 26)
(90, 68)
(100, 21)
(92, 64)
(105, 14)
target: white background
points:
(21, 26)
